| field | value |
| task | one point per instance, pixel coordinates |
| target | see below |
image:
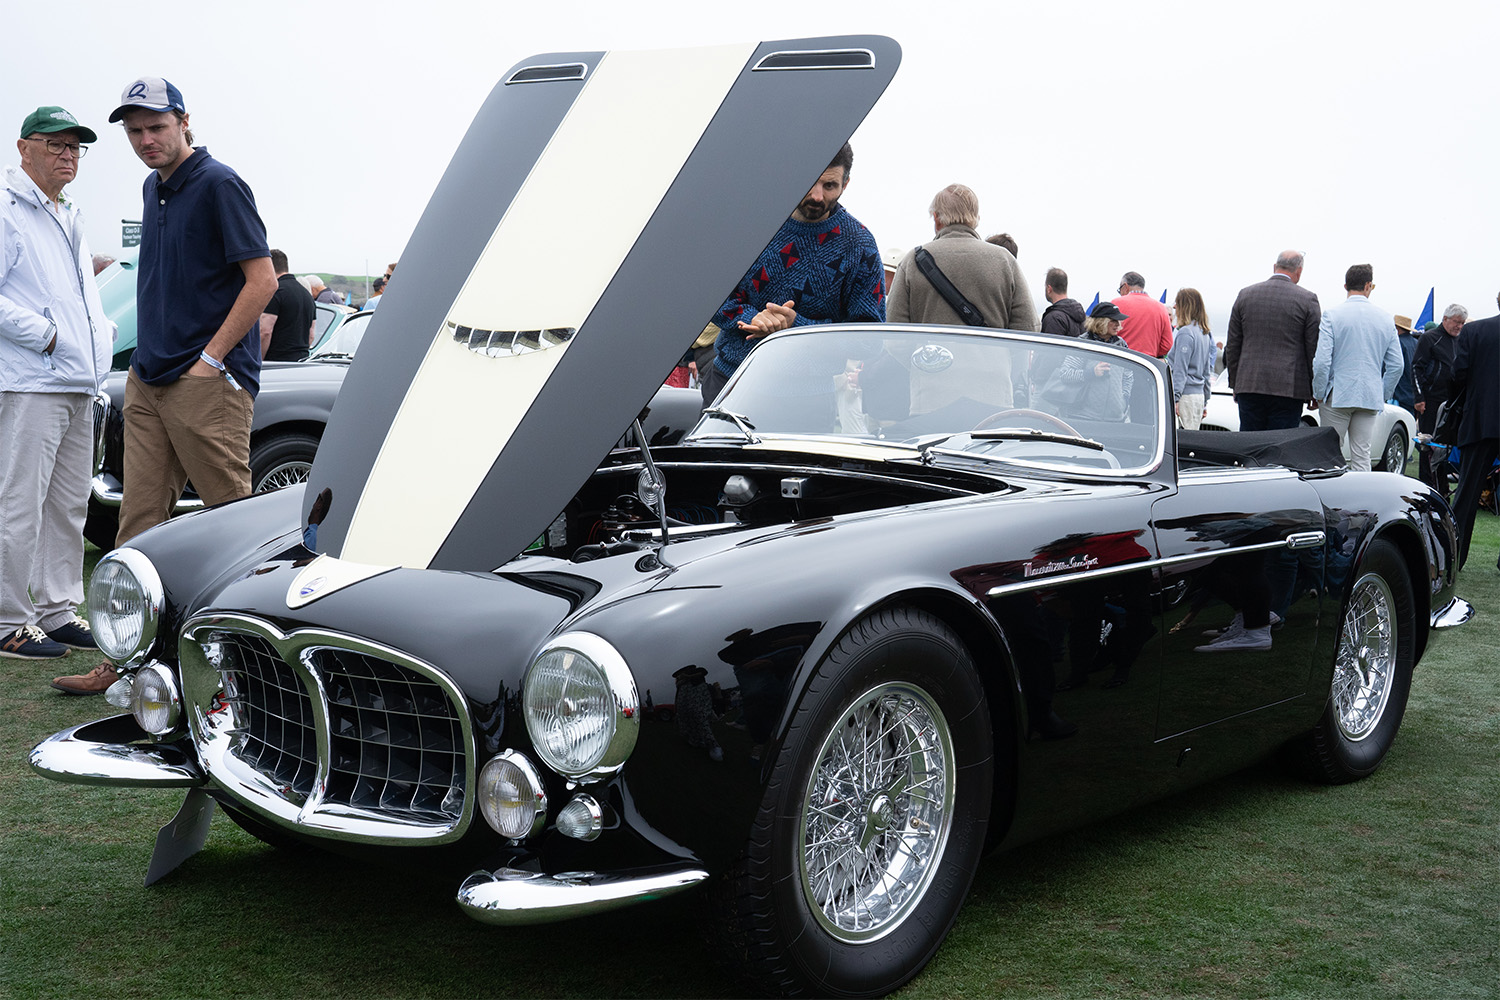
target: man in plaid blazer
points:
(1273, 335)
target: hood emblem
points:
(311, 586)
(932, 359)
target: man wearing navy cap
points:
(55, 346)
(203, 278)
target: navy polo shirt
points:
(197, 226)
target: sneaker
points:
(96, 681)
(1237, 624)
(30, 643)
(1234, 641)
(74, 634)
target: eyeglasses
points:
(56, 147)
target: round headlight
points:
(154, 701)
(581, 706)
(512, 796)
(125, 600)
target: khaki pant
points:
(1355, 424)
(198, 429)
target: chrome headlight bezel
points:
(149, 596)
(601, 667)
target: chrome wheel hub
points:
(876, 812)
(1366, 661)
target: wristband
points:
(214, 363)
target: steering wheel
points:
(995, 419)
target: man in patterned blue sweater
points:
(822, 266)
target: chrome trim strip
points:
(1455, 612)
(1043, 582)
(202, 683)
(509, 897)
(104, 752)
(808, 59)
(1234, 475)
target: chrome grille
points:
(280, 737)
(395, 746)
(327, 732)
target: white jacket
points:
(47, 277)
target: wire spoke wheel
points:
(284, 475)
(877, 811)
(1366, 658)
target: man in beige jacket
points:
(987, 276)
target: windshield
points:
(959, 396)
(345, 340)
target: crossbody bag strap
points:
(965, 309)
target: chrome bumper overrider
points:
(511, 896)
(103, 753)
(1456, 612)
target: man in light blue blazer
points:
(1357, 364)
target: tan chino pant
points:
(198, 429)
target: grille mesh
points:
(396, 742)
(279, 736)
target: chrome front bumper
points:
(108, 491)
(509, 896)
(106, 753)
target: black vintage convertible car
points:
(867, 620)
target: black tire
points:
(1393, 456)
(1372, 672)
(102, 525)
(789, 929)
(281, 461)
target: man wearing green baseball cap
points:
(55, 346)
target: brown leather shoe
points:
(96, 681)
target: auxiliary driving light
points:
(512, 796)
(154, 701)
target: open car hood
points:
(598, 211)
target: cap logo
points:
(64, 116)
(137, 91)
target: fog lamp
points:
(581, 819)
(154, 701)
(512, 796)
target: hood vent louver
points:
(547, 74)
(509, 343)
(818, 59)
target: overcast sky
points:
(1187, 141)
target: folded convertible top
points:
(1301, 449)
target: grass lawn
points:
(1259, 885)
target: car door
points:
(1247, 541)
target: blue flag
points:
(1426, 316)
(1090, 310)
(1163, 296)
